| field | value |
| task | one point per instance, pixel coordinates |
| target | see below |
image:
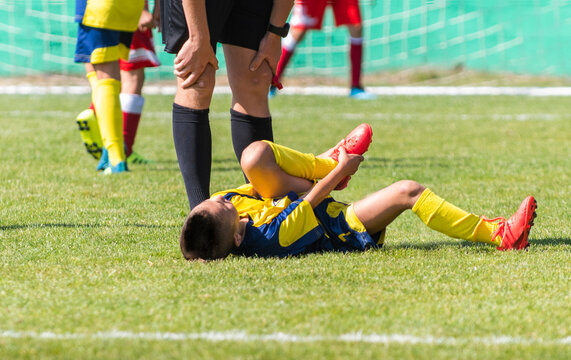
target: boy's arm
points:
(348, 165)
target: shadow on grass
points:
(222, 165)
(550, 242)
(414, 162)
(231, 164)
(77, 226)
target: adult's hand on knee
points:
(269, 51)
(191, 61)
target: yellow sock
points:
(442, 216)
(92, 78)
(94, 133)
(110, 118)
(305, 166)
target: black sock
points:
(246, 129)
(193, 145)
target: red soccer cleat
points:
(515, 230)
(356, 142)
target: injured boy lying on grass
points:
(285, 210)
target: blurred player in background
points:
(141, 55)
(308, 15)
(104, 36)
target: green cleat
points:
(136, 159)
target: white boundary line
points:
(353, 116)
(29, 89)
(240, 336)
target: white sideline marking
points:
(26, 89)
(240, 336)
(350, 116)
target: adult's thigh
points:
(249, 88)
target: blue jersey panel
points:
(264, 240)
(339, 235)
(80, 6)
(89, 39)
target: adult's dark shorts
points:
(236, 22)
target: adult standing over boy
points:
(250, 32)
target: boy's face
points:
(226, 214)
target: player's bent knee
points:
(409, 189)
(254, 155)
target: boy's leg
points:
(108, 109)
(87, 120)
(275, 170)
(442, 216)
(285, 164)
(132, 102)
(380, 209)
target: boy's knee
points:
(255, 154)
(410, 189)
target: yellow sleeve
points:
(299, 222)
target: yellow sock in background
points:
(94, 133)
(92, 78)
(305, 166)
(442, 216)
(110, 118)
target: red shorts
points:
(142, 53)
(308, 14)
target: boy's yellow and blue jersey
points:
(120, 15)
(288, 225)
(105, 29)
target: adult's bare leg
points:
(250, 113)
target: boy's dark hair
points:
(201, 237)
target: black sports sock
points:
(193, 145)
(246, 129)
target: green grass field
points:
(90, 265)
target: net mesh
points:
(520, 36)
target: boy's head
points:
(211, 230)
